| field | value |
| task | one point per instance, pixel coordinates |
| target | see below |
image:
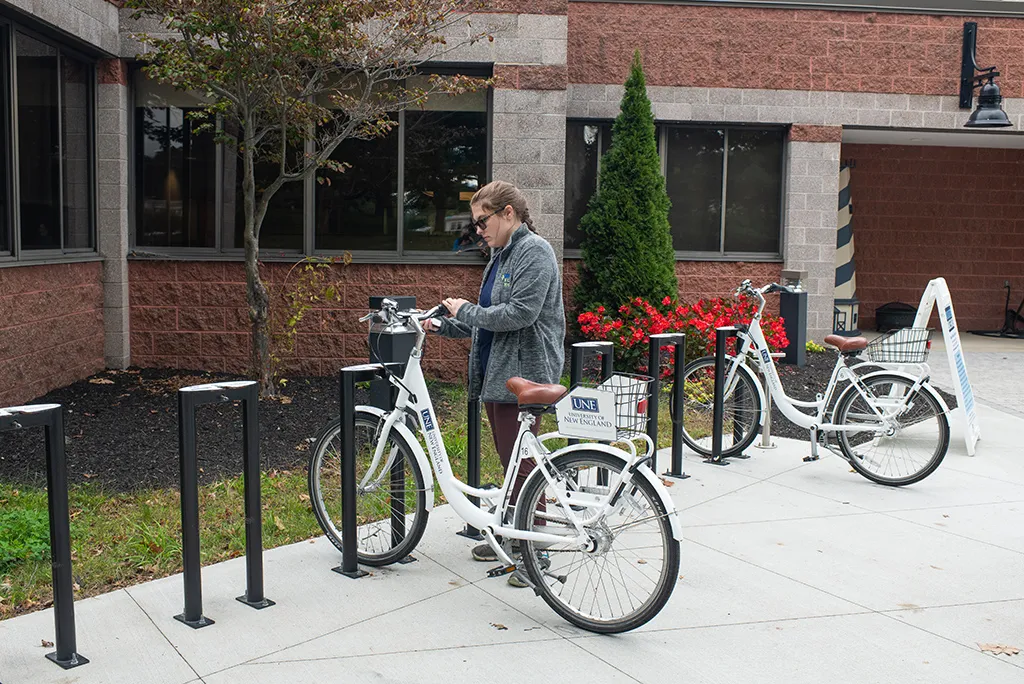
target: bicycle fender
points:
(417, 451)
(644, 471)
(927, 387)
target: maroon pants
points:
(504, 420)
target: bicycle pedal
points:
(501, 570)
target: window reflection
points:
(694, 181)
(39, 144)
(753, 190)
(76, 120)
(356, 209)
(584, 145)
(177, 169)
(445, 163)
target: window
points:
(405, 193)
(706, 169)
(55, 147)
(176, 169)
(584, 145)
(739, 169)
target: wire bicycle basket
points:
(612, 410)
(905, 345)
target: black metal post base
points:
(718, 462)
(740, 456)
(203, 621)
(74, 661)
(676, 476)
(258, 605)
(471, 533)
(353, 574)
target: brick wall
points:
(193, 315)
(925, 212)
(736, 47)
(52, 328)
(698, 279)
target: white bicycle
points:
(594, 530)
(890, 425)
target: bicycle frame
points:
(754, 345)
(413, 395)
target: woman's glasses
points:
(481, 223)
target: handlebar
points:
(746, 287)
(389, 313)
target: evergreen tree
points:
(626, 242)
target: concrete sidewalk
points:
(791, 572)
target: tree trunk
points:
(255, 291)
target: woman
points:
(518, 327)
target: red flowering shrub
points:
(637, 320)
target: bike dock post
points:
(579, 351)
(50, 417)
(722, 337)
(189, 399)
(678, 343)
(350, 375)
(472, 461)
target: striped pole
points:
(845, 317)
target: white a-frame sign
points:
(938, 292)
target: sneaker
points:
(484, 553)
(516, 580)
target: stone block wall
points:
(52, 328)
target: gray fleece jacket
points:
(526, 316)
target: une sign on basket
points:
(587, 413)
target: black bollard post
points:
(189, 399)
(349, 547)
(657, 342)
(472, 461)
(251, 491)
(678, 397)
(722, 336)
(51, 418)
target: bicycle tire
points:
(856, 446)
(634, 564)
(377, 541)
(698, 409)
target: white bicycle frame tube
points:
(755, 345)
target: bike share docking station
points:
(722, 337)
(350, 375)
(189, 399)
(50, 417)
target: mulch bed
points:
(121, 427)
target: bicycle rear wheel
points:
(627, 574)
(741, 415)
(391, 512)
(906, 447)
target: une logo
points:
(427, 422)
(584, 404)
(765, 356)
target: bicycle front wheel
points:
(909, 439)
(741, 414)
(391, 512)
(628, 571)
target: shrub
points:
(814, 348)
(636, 321)
(626, 242)
(26, 536)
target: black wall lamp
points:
(989, 113)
